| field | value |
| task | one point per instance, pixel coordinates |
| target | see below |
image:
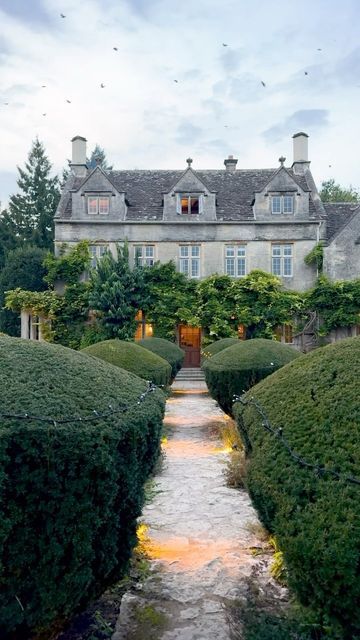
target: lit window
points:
(190, 260)
(143, 329)
(98, 205)
(144, 255)
(282, 204)
(235, 260)
(282, 260)
(96, 253)
(190, 204)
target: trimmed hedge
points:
(316, 401)
(69, 493)
(213, 348)
(134, 358)
(167, 350)
(237, 368)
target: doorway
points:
(189, 341)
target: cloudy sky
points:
(172, 89)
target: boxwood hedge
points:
(133, 358)
(316, 402)
(238, 367)
(213, 348)
(167, 350)
(70, 492)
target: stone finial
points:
(282, 160)
(189, 162)
(97, 161)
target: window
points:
(283, 333)
(96, 252)
(98, 204)
(282, 204)
(282, 260)
(190, 204)
(143, 329)
(144, 255)
(235, 260)
(190, 260)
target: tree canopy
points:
(331, 191)
(32, 209)
(98, 158)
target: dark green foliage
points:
(167, 350)
(217, 346)
(337, 303)
(8, 239)
(68, 266)
(133, 358)
(169, 299)
(69, 494)
(32, 210)
(316, 402)
(116, 293)
(23, 268)
(237, 368)
(316, 257)
(331, 191)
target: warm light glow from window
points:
(242, 331)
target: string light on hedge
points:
(95, 414)
(319, 469)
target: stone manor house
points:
(211, 221)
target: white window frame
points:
(97, 251)
(144, 255)
(190, 260)
(282, 260)
(235, 260)
(282, 202)
(198, 196)
(97, 209)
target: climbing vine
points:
(316, 257)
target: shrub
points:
(315, 401)
(133, 358)
(70, 492)
(167, 350)
(237, 368)
(213, 348)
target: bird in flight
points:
(263, 83)
(306, 73)
(102, 85)
(68, 101)
(44, 114)
(224, 44)
(6, 103)
(62, 15)
(176, 80)
(319, 49)
(115, 49)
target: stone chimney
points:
(78, 156)
(230, 164)
(301, 154)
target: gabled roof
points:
(338, 214)
(234, 192)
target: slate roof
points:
(338, 214)
(235, 192)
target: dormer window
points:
(282, 204)
(98, 205)
(189, 203)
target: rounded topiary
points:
(240, 366)
(213, 348)
(315, 517)
(133, 358)
(167, 350)
(71, 479)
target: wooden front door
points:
(189, 341)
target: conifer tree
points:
(32, 209)
(98, 157)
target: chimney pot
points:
(230, 164)
(301, 153)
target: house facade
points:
(228, 221)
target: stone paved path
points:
(197, 527)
